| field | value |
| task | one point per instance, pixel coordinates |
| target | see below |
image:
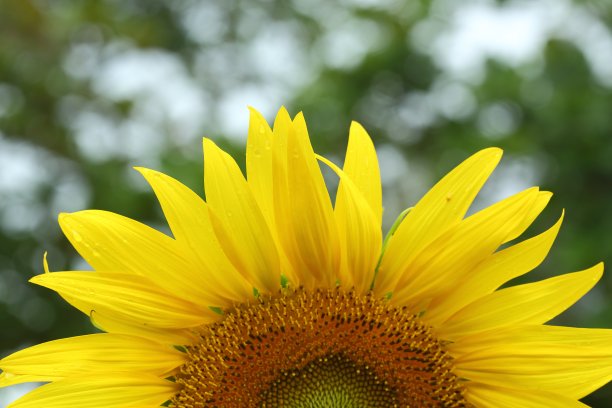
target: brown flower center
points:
(322, 348)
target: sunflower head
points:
(268, 294)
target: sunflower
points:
(267, 295)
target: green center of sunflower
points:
(334, 381)
(322, 348)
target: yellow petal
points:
(250, 245)
(361, 166)
(8, 379)
(359, 231)
(538, 206)
(267, 173)
(282, 127)
(111, 242)
(126, 296)
(189, 220)
(259, 160)
(314, 228)
(93, 353)
(304, 215)
(109, 391)
(532, 303)
(452, 257)
(280, 196)
(534, 335)
(441, 208)
(486, 396)
(114, 324)
(498, 269)
(559, 368)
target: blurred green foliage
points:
(69, 123)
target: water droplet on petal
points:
(76, 236)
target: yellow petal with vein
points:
(361, 166)
(313, 211)
(452, 257)
(441, 208)
(266, 172)
(113, 324)
(559, 368)
(111, 242)
(93, 353)
(498, 269)
(189, 220)
(304, 214)
(251, 244)
(534, 335)
(283, 126)
(109, 391)
(359, 232)
(532, 303)
(126, 296)
(486, 396)
(280, 193)
(259, 161)
(8, 379)
(538, 206)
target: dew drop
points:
(76, 236)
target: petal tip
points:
(356, 126)
(208, 143)
(599, 269)
(65, 219)
(36, 279)
(45, 263)
(493, 152)
(141, 170)
(254, 111)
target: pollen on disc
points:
(323, 348)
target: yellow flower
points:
(268, 295)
